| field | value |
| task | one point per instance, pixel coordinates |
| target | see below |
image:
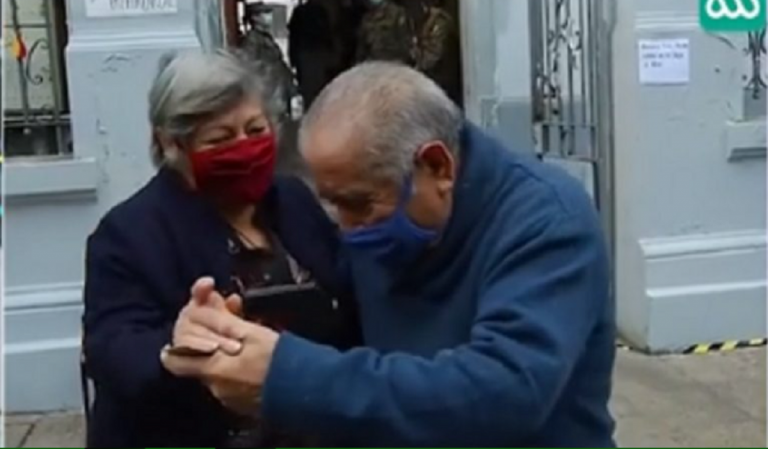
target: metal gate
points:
(571, 90)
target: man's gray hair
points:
(194, 86)
(392, 110)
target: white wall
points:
(690, 188)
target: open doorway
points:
(319, 39)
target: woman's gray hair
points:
(393, 110)
(194, 86)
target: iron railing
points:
(756, 83)
(564, 87)
(36, 109)
(572, 91)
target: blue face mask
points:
(396, 240)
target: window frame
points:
(58, 172)
(50, 123)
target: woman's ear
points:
(171, 150)
(165, 143)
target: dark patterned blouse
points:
(253, 269)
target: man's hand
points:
(236, 380)
(205, 299)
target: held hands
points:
(190, 334)
(240, 351)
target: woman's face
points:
(241, 123)
(245, 120)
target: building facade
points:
(674, 155)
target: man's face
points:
(360, 198)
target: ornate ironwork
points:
(756, 51)
(563, 86)
(37, 79)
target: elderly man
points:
(482, 280)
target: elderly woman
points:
(213, 209)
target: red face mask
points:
(241, 172)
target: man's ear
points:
(437, 159)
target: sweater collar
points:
(475, 182)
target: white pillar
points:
(111, 58)
(495, 40)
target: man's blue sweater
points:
(503, 336)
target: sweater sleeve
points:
(124, 329)
(540, 301)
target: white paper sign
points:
(119, 8)
(664, 61)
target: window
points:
(36, 104)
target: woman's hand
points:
(235, 380)
(190, 335)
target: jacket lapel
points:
(204, 236)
